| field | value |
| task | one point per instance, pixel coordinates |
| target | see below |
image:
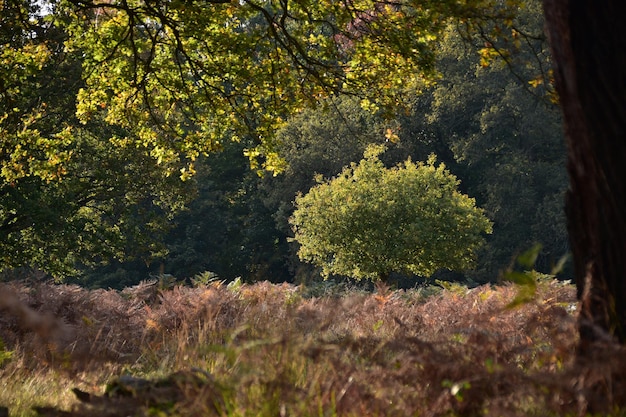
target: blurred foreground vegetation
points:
(274, 350)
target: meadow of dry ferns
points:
(272, 350)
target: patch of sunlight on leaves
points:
(5, 355)
(235, 285)
(49, 388)
(453, 287)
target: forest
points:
(295, 208)
(119, 217)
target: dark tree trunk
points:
(588, 40)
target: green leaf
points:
(528, 258)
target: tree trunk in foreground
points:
(588, 40)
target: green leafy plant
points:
(528, 279)
(5, 355)
(453, 287)
(235, 285)
(204, 278)
(370, 221)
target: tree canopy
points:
(105, 104)
(187, 78)
(505, 136)
(370, 221)
(71, 193)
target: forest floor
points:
(276, 350)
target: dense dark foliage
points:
(495, 131)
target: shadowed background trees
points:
(499, 134)
(72, 194)
(107, 184)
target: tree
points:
(161, 83)
(586, 38)
(71, 193)
(187, 76)
(326, 139)
(225, 230)
(370, 221)
(506, 138)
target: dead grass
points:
(266, 350)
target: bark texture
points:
(588, 40)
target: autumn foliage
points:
(268, 349)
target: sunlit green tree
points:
(71, 193)
(188, 74)
(370, 221)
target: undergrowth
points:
(275, 350)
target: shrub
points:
(370, 221)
